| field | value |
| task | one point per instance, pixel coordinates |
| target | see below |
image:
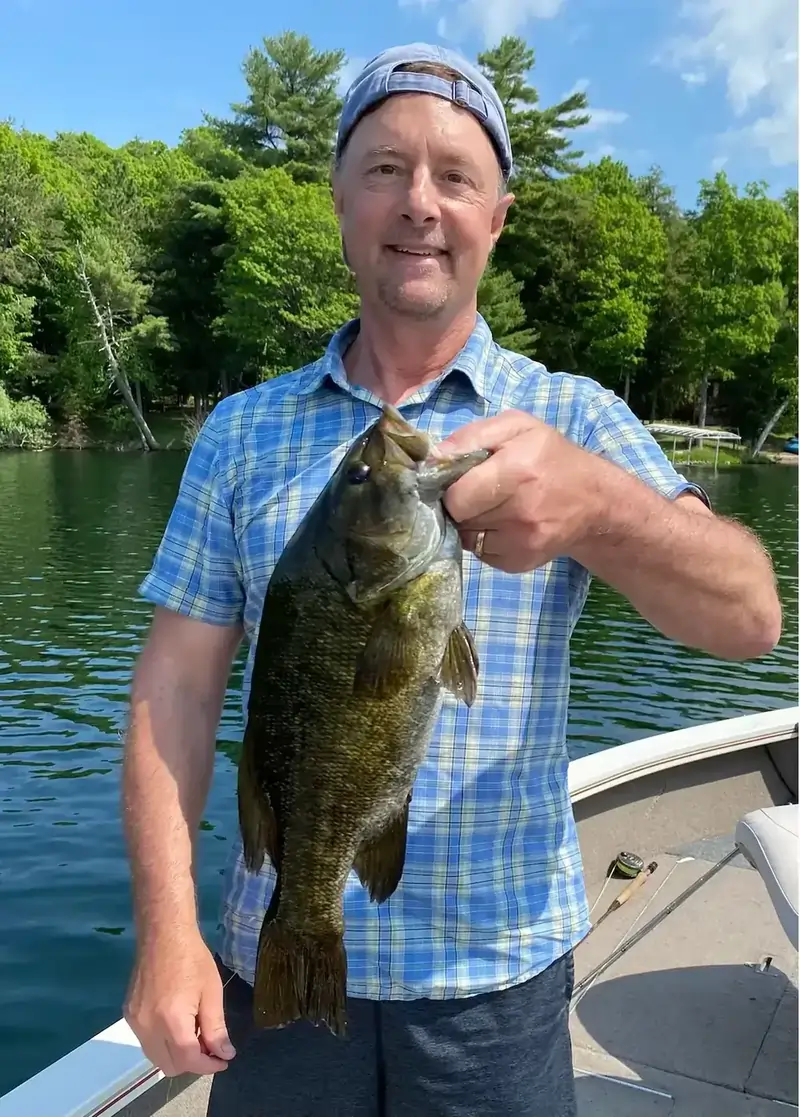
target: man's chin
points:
(417, 301)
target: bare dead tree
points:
(768, 429)
(104, 322)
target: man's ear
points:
(499, 216)
(336, 187)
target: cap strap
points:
(460, 92)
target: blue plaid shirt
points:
(492, 890)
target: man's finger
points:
(499, 518)
(187, 1057)
(183, 1045)
(485, 487)
(487, 434)
(159, 1055)
(211, 1019)
(474, 494)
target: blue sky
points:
(692, 85)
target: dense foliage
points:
(146, 277)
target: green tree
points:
(621, 275)
(209, 152)
(291, 112)
(542, 247)
(662, 381)
(734, 297)
(764, 388)
(16, 328)
(117, 318)
(499, 303)
(31, 237)
(284, 286)
(155, 274)
(193, 246)
(538, 138)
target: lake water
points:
(77, 532)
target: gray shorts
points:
(505, 1054)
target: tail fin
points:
(300, 976)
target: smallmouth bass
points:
(362, 626)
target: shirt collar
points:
(474, 362)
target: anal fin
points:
(257, 823)
(459, 672)
(380, 860)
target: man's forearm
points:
(700, 579)
(169, 760)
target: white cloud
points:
(695, 77)
(491, 18)
(599, 118)
(602, 118)
(598, 153)
(580, 86)
(752, 43)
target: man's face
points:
(420, 204)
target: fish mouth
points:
(393, 441)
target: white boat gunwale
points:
(105, 1074)
(601, 771)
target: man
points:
(460, 983)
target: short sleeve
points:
(613, 431)
(196, 569)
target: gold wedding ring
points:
(479, 542)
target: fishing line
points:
(583, 986)
(624, 865)
(600, 897)
(636, 883)
(631, 940)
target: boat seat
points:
(768, 839)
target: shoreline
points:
(179, 444)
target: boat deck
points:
(690, 1013)
(689, 1022)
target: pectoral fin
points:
(386, 656)
(379, 862)
(459, 672)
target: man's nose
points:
(421, 202)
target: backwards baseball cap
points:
(474, 92)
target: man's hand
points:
(698, 578)
(174, 1006)
(535, 498)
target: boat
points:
(685, 1000)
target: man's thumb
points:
(211, 1018)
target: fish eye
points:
(358, 473)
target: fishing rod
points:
(626, 865)
(671, 906)
(629, 890)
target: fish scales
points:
(361, 629)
